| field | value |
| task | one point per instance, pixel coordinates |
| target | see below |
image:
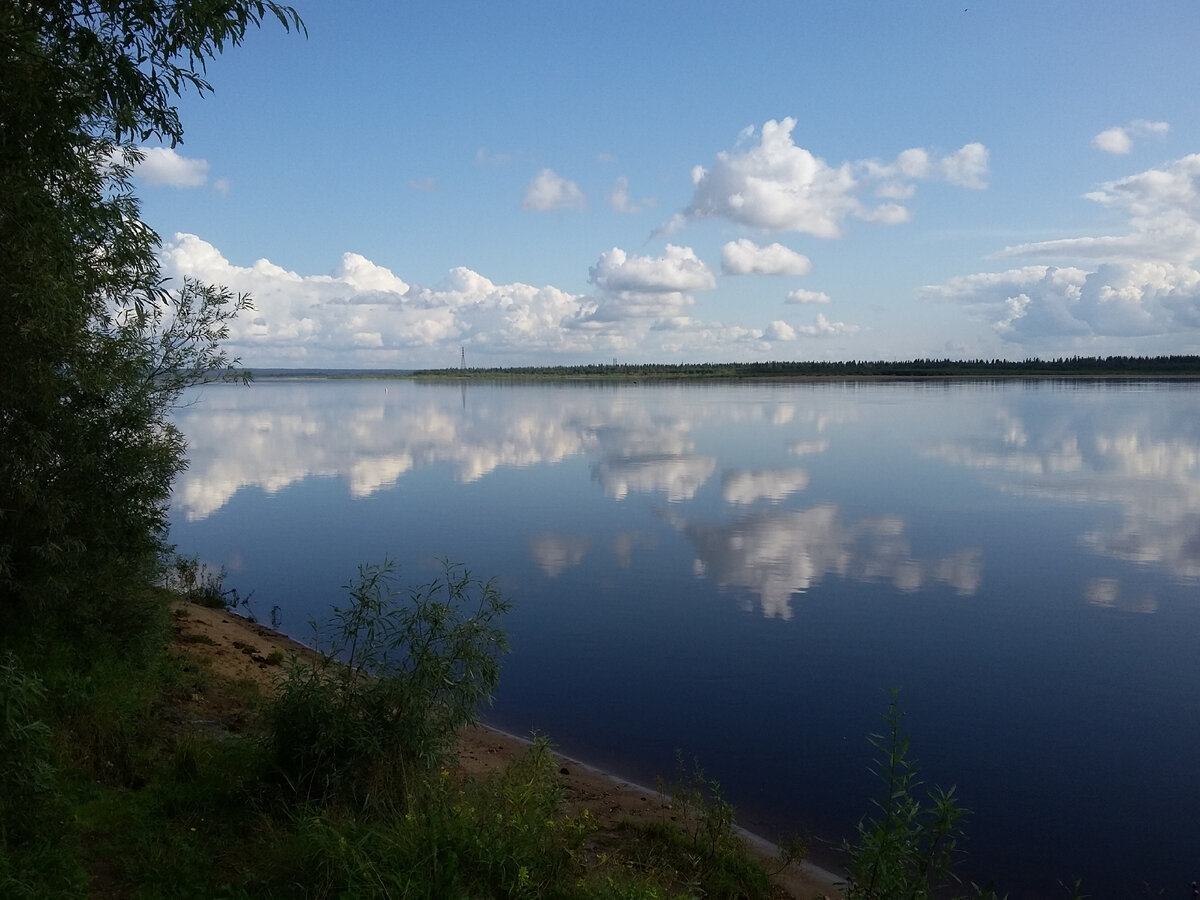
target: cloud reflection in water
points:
(1147, 467)
(745, 529)
(777, 554)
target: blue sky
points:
(547, 183)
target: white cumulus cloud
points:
(679, 269)
(359, 272)
(887, 214)
(647, 287)
(550, 191)
(365, 314)
(1159, 200)
(744, 257)
(967, 166)
(779, 330)
(802, 296)
(1020, 302)
(362, 314)
(163, 167)
(776, 185)
(1119, 139)
(1113, 140)
(1142, 283)
(822, 327)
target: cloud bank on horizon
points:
(1141, 283)
(948, 247)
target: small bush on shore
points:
(909, 847)
(199, 583)
(401, 674)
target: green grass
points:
(207, 825)
(198, 638)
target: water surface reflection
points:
(743, 571)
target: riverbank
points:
(1064, 368)
(236, 651)
(1076, 368)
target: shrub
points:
(26, 773)
(402, 672)
(909, 847)
(198, 583)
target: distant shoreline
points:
(1111, 368)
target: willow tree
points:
(95, 345)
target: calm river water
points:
(743, 571)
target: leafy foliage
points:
(183, 338)
(401, 674)
(122, 63)
(908, 848)
(198, 583)
(94, 350)
(94, 346)
(26, 772)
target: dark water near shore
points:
(743, 571)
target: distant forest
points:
(1066, 367)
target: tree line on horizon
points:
(1174, 366)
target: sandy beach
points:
(237, 649)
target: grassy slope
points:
(161, 788)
